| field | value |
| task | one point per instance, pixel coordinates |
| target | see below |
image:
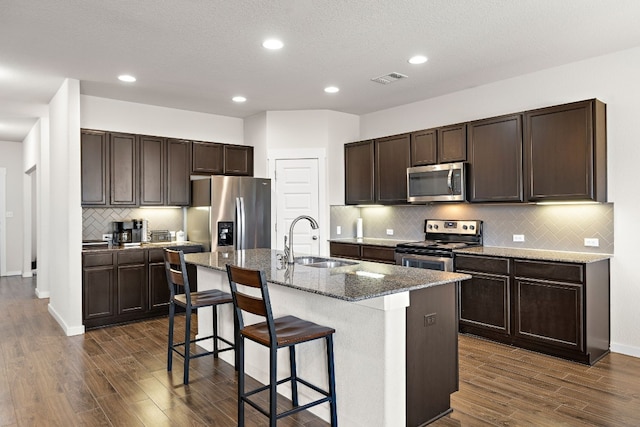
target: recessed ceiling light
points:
(331, 89)
(126, 78)
(238, 99)
(273, 44)
(418, 59)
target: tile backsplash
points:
(552, 227)
(97, 221)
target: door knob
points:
(314, 237)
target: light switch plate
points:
(518, 237)
(338, 229)
(389, 231)
(9, 214)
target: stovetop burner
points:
(445, 236)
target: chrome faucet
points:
(288, 249)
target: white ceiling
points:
(197, 54)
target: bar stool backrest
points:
(177, 274)
(242, 301)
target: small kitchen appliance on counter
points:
(127, 233)
(441, 238)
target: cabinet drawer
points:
(346, 250)
(483, 264)
(156, 255)
(378, 253)
(93, 260)
(131, 256)
(549, 270)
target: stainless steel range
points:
(441, 238)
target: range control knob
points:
(464, 227)
(472, 227)
(429, 226)
(435, 226)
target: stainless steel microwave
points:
(436, 183)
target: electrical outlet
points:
(106, 237)
(9, 214)
(518, 237)
(389, 231)
(430, 319)
(593, 242)
(338, 229)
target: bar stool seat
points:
(177, 279)
(286, 331)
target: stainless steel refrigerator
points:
(230, 212)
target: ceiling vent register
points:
(389, 78)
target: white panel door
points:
(297, 194)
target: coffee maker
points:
(122, 232)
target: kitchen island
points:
(396, 354)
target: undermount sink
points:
(319, 262)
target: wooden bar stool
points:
(287, 331)
(177, 279)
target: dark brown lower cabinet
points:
(123, 285)
(98, 287)
(557, 308)
(485, 307)
(132, 282)
(364, 252)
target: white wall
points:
(121, 116)
(65, 214)
(316, 129)
(255, 134)
(320, 132)
(11, 160)
(614, 80)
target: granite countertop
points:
(391, 243)
(360, 281)
(536, 254)
(145, 245)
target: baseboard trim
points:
(13, 273)
(68, 330)
(42, 294)
(27, 274)
(625, 349)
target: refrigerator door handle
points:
(238, 230)
(241, 222)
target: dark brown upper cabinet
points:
(376, 170)
(566, 153)
(153, 170)
(94, 151)
(392, 158)
(424, 147)
(238, 160)
(452, 143)
(207, 158)
(178, 172)
(442, 145)
(359, 173)
(495, 159)
(123, 148)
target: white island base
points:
(370, 346)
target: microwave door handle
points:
(449, 181)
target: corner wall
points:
(65, 214)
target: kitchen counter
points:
(396, 354)
(359, 281)
(95, 246)
(535, 254)
(390, 243)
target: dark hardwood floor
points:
(117, 377)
